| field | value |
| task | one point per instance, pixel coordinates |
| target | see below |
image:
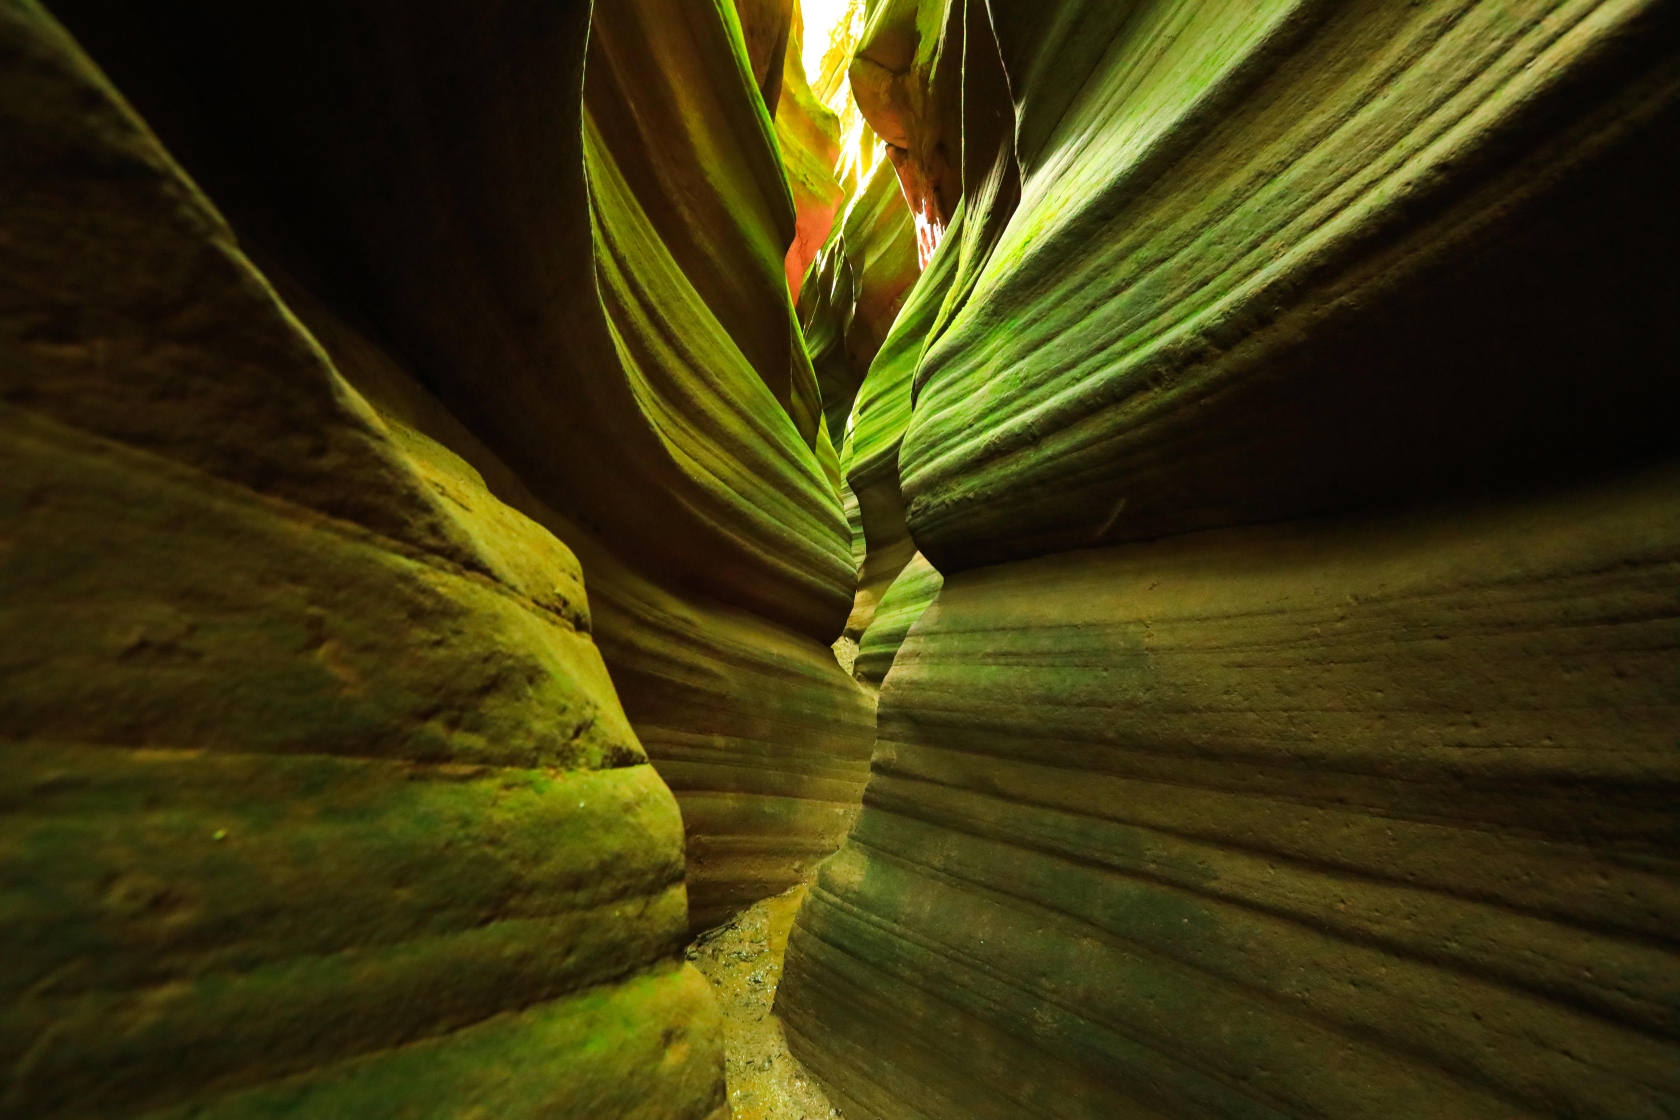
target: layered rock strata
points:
(1291, 259)
(906, 74)
(319, 800)
(916, 585)
(1294, 731)
(849, 307)
(770, 36)
(763, 739)
(808, 138)
(855, 289)
(1328, 819)
(596, 290)
(741, 704)
(880, 416)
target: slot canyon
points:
(888, 559)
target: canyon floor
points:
(743, 961)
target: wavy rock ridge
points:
(265, 850)
(1328, 819)
(671, 371)
(1293, 732)
(323, 800)
(1237, 438)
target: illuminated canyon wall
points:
(344, 347)
(442, 441)
(1288, 414)
(658, 407)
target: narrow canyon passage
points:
(799, 559)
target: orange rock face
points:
(808, 136)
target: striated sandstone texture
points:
(1244, 262)
(318, 798)
(807, 130)
(849, 306)
(855, 289)
(770, 36)
(583, 265)
(907, 77)
(1287, 409)
(808, 138)
(880, 414)
(914, 588)
(1369, 819)
(734, 691)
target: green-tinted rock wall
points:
(1294, 731)
(318, 798)
(583, 263)
(854, 291)
(1269, 262)
(808, 137)
(1329, 819)
(761, 736)
(880, 415)
(906, 75)
(917, 584)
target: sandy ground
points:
(743, 960)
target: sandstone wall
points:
(879, 416)
(856, 286)
(597, 293)
(808, 137)
(1294, 732)
(1344, 819)
(318, 798)
(915, 586)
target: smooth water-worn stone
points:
(694, 233)
(763, 738)
(1346, 818)
(655, 1020)
(1238, 262)
(769, 37)
(906, 74)
(880, 415)
(900, 607)
(523, 266)
(1340, 819)
(854, 518)
(858, 284)
(578, 261)
(759, 733)
(113, 257)
(808, 136)
(318, 798)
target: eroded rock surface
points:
(855, 289)
(597, 291)
(1293, 733)
(319, 800)
(1210, 810)
(1259, 519)
(1244, 263)
(808, 137)
(915, 587)
(880, 415)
